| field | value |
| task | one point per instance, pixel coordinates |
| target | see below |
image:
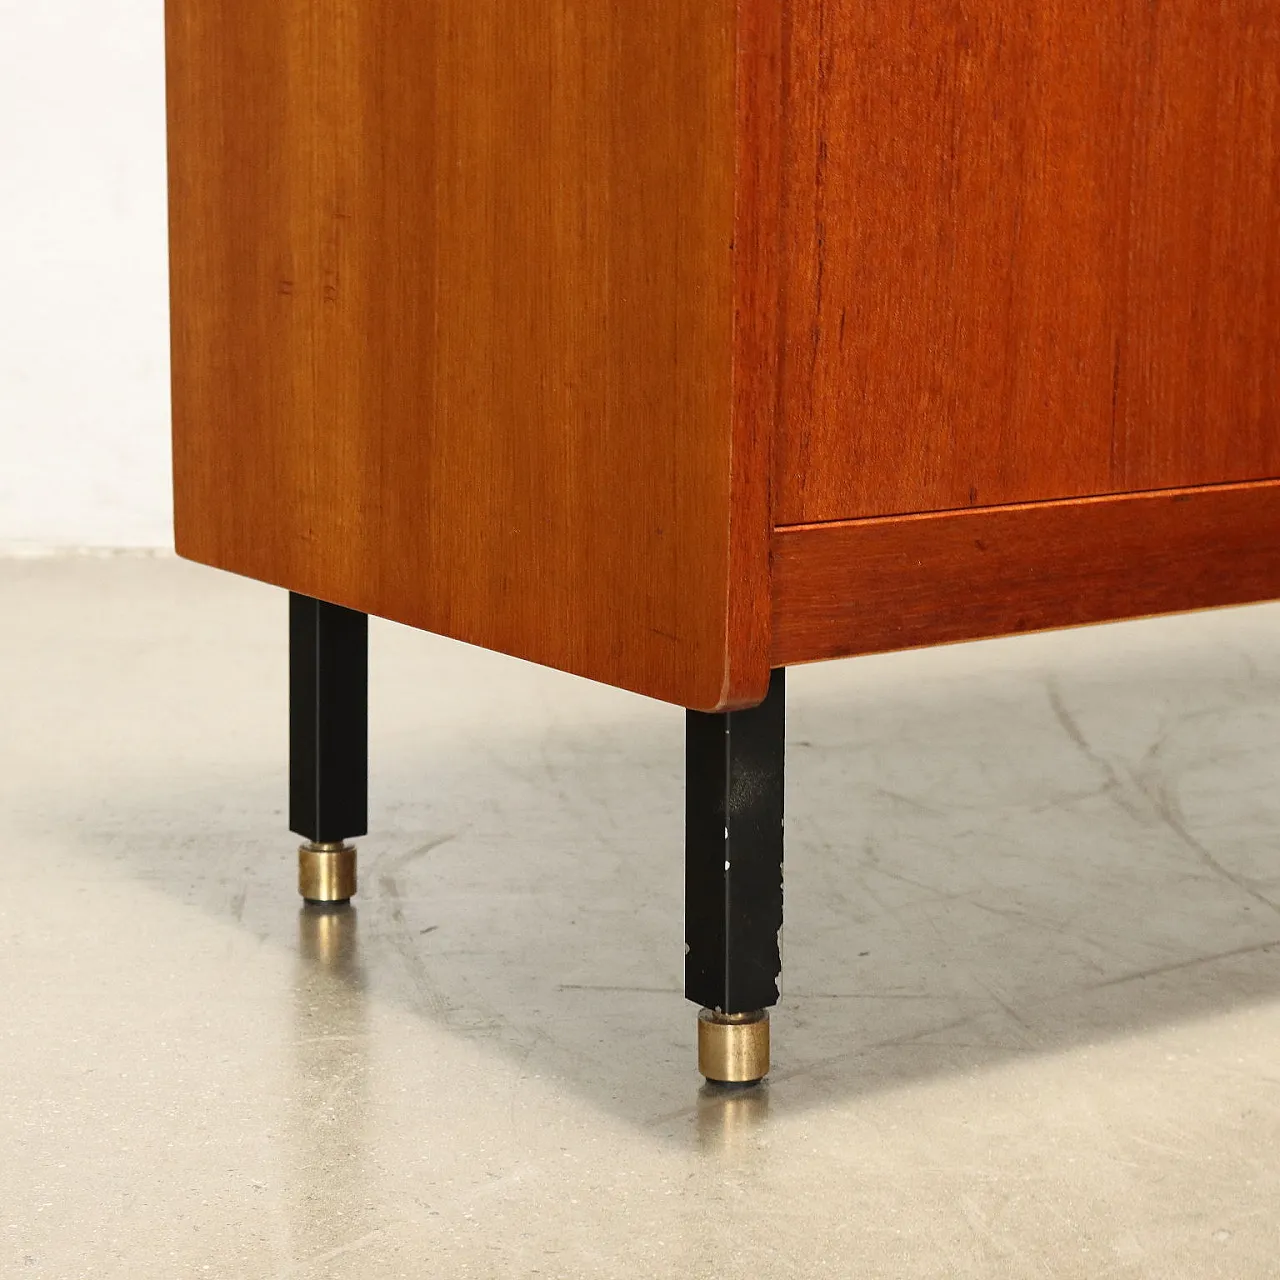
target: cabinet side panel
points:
(453, 319)
(1033, 252)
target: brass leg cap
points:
(327, 872)
(733, 1048)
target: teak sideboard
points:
(674, 342)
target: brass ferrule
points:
(733, 1048)
(327, 872)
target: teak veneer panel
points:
(454, 297)
(1033, 251)
(871, 586)
(526, 323)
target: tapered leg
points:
(328, 743)
(733, 882)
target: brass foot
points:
(327, 872)
(733, 1048)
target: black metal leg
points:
(328, 742)
(733, 881)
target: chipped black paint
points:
(733, 854)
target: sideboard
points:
(674, 342)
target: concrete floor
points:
(1032, 1017)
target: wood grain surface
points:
(870, 586)
(757, 329)
(487, 318)
(454, 334)
(1033, 252)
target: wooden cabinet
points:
(669, 341)
(673, 342)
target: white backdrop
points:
(84, 449)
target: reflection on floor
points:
(1032, 1016)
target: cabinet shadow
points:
(990, 855)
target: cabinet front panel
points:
(1033, 252)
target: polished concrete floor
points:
(1032, 1014)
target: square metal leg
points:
(328, 742)
(733, 881)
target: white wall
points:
(84, 449)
